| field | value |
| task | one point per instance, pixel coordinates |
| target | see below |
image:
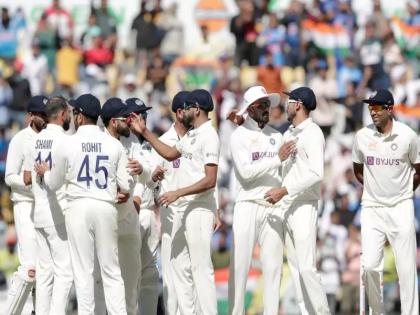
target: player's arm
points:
(358, 159)
(55, 177)
(15, 159)
(125, 181)
(206, 183)
(314, 149)
(358, 172)
(414, 156)
(245, 171)
(138, 126)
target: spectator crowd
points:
(342, 49)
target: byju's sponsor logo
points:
(176, 163)
(255, 156)
(261, 155)
(371, 160)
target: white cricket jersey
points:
(198, 148)
(303, 171)
(93, 164)
(49, 205)
(145, 187)
(387, 164)
(131, 147)
(15, 165)
(256, 161)
(172, 173)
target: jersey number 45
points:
(100, 172)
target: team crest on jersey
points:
(193, 141)
(394, 147)
(176, 163)
(272, 141)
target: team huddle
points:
(84, 204)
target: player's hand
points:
(137, 123)
(167, 198)
(236, 119)
(218, 221)
(27, 178)
(158, 174)
(134, 167)
(274, 195)
(41, 168)
(137, 203)
(286, 149)
(122, 197)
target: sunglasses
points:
(187, 106)
(120, 118)
(292, 102)
(377, 107)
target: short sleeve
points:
(211, 149)
(414, 150)
(357, 155)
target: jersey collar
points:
(55, 127)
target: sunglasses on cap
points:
(187, 106)
(377, 107)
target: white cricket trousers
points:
(193, 272)
(129, 244)
(300, 227)
(92, 227)
(54, 271)
(23, 212)
(254, 223)
(149, 282)
(397, 225)
(169, 296)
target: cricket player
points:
(300, 192)
(193, 224)
(257, 159)
(386, 160)
(169, 182)
(114, 116)
(149, 284)
(54, 276)
(23, 206)
(94, 167)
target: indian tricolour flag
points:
(407, 37)
(329, 38)
(222, 279)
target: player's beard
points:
(187, 120)
(66, 124)
(39, 123)
(123, 130)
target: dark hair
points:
(106, 122)
(91, 120)
(54, 105)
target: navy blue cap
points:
(136, 105)
(304, 95)
(113, 108)
(381, 96)
(179, 100)
(202, 98)
(37, 104)
(87, 104)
